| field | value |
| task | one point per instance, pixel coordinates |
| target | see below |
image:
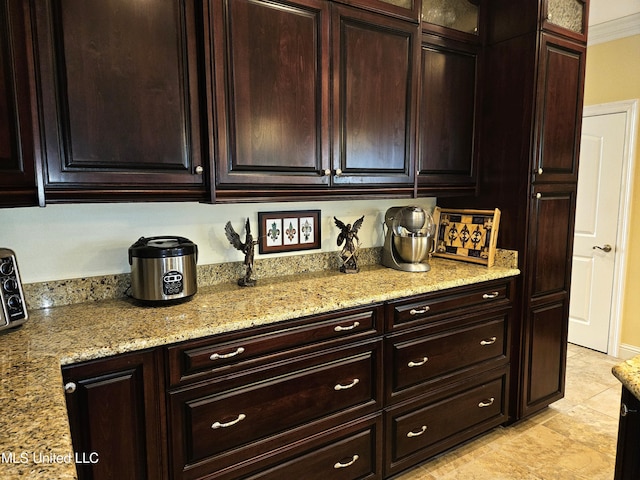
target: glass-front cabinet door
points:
(461, 15)
(568, 17)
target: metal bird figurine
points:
(349, 235)
(246, 247)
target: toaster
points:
(13, 311)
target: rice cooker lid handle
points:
(162, 246)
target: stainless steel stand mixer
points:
(409, 239)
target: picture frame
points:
(287, 231)
(467, 235)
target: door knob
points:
(606, 248)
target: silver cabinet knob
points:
(625, 410)
(538, 195)
(199, 169)
(605, 248)
(338, 172)
(327, 172)
(70, 387)
(540, 171)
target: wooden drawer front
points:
(432, 423)
(197, 359)
(417, 360)
(349, 458)
(220, 422)
(423, 308)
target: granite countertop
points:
(628, 372)
(34, 431)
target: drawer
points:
(427, 427)
(350, 457)
(210, 420)
(423, 358)
(411, 311)
(196, 360)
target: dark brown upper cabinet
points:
(458, 19)
(506, 19)
(311, 98)
(566, 17)
(447, 156)
(374, 98)
(18, 185)
(120, 100)
(405, 9)
(559, 104)
(272, 92)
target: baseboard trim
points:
(625, 352)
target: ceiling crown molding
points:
(614, 29)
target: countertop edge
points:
(628, 372)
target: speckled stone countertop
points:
(628, 372)
(34, 432)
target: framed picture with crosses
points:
(288, 231)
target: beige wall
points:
(613, 74)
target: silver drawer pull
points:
(241, 417)
(489, 341)
(340, 328)
(487, 403)
(417, 434)
(346, 387)
(488, 296)
(418, 363)
(424, 309)
(217, 356)
(348, 464)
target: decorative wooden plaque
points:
(467, 235)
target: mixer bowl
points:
(413, 249)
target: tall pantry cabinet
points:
(530, 138)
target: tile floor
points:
(573, 439)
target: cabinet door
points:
(460, 18)
(559, 110)
(17, 165)
(566, 17)
(545, 355)
(374, 98)
(115, 414)
(119, 94)
(272, 80)
(627, 458)
(551, 226)
(548, 277)
(447, 116)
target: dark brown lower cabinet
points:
(430, 424)
(330, 396)
(116, 416)
(628, 452)
(546, 305)
(546, 353)
(226, 423)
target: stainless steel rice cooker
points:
(163, 269)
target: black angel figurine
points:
(247, 248)
(349, 254)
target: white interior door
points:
(594, 251)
